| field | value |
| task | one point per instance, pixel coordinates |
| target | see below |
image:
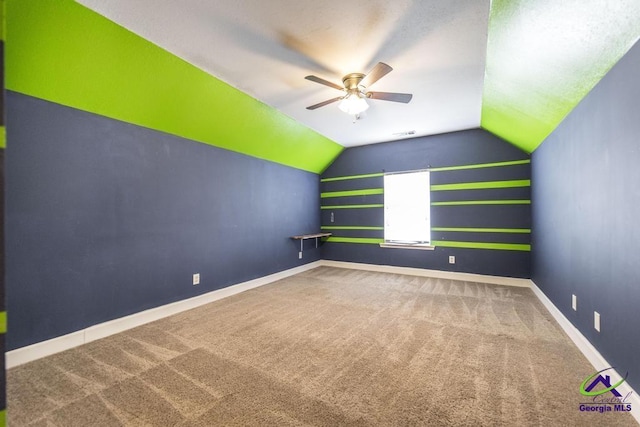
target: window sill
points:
(419, 246)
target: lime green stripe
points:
(480, 245)
(362, 192)
(352, 206)
(3, 35)
(461, 229)
(365, 240)
(342, 178)
(482, 202)
(482, 185)
(349, 227)
(63, 52)
(450, 244)
(481, 165)
(3, 418)
(3, 322)
(441, 169)
(483, 230)
(3, 137)
(452, 203)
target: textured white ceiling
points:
(266, 48)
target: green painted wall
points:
(61, 51)
(544, 57)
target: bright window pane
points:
(406, 207)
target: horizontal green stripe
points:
(63, 52)
(481, 202)
(3, 137)
(481, 165)
(343, 178)
(352, 206)
(479, 245)
(349, 227)
(3, 418)
(3, 33)
(443, 243)
(3, 322)
(483, 230)
(452, 203)
(361, 192)
(366, 240)
(441, 169)
(460, 229)
(482, 185)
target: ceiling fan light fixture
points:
(353, 104)
(356, 87)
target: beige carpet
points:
(327, 347)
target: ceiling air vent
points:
(406, 133)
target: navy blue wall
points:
(464, 148)
(106, 219)
(586, 211)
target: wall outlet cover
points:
(196, 279)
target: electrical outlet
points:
(574, 302)
(596, 321)
(452, 259)
(196, 279)
(332, 217)
(300, 255)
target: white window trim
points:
(409, 244)
(419, 246)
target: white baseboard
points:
(590, 352)
(45, 348)
(35, 351)
(439, 274)
(65, 342)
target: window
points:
(406, 208)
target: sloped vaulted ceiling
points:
(231, 73)
(515, 67)
(544, 56)
(62, 52)
(266, 48)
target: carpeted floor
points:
(327, 347)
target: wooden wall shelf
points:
(304, 237)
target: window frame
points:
(418, 243)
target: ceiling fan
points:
(355, 85)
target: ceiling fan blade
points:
(324, 82)
(322, 104)
(379, 71)
(391, 96)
